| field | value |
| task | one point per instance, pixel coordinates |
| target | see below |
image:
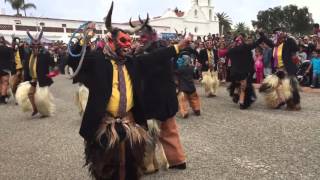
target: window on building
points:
(42, 24)
(209, 2)
(195, 13)
(17, 21)
(196, 29)
(210, 14)
(64, 25)
(197, 2)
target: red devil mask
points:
(120, 39)
(239, 41)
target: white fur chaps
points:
(210, 82)
(269, 87)
(155, 157)
(81, 98)
(43, 99)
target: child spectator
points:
(187, 90)
(315, 65)
(258, 58)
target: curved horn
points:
(40, 35)
(176, 32)
(29, 35)
(185, 32)
(138, 28)
(130, 23)
(141, 21)
(108, 21)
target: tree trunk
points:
(24, 9)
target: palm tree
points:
(224, 22)
(241, 28)
(20, 5)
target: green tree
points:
(293, 19)
(20, 5)
(224, 23)
(241, 28)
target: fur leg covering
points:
(293, 102)
(154, 150)
(269, 88)
(44, 101)
(102, 154)
(288, 87)
(22, 96)
(210, 82)
(250, 95)
(81, 98)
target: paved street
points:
(225, 143)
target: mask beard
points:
(122, 45)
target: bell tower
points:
(204, 3)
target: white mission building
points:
(199, 20)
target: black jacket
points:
(242, 63)
(159, 90)
(290, 48)
(44, 62)
(6, 58)
(98, 71)
(203, 58)
(185, 79)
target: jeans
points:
(267, 71)
(315, 79)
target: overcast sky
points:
(238, 10)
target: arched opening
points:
(209, 2)
(195, 13)
(196, 29)
(197, 2)
(210, 14)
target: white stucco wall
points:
(201, 20)
(57, 23)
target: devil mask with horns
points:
(181, 36)
(147, 34)
(119, 41)
(35, 42)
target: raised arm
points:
(161, 55)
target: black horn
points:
(130, 23)
(108, 20)
(40, 35)
(185, 32)
(141, 21)
(176, 32)
(138, 28)
(29, 35)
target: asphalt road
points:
(224, 143)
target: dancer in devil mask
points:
(6, 66)
(282, 88)
(242, 69)
(34, 93)
(113, 121)
(19, 56)
(162, 102)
